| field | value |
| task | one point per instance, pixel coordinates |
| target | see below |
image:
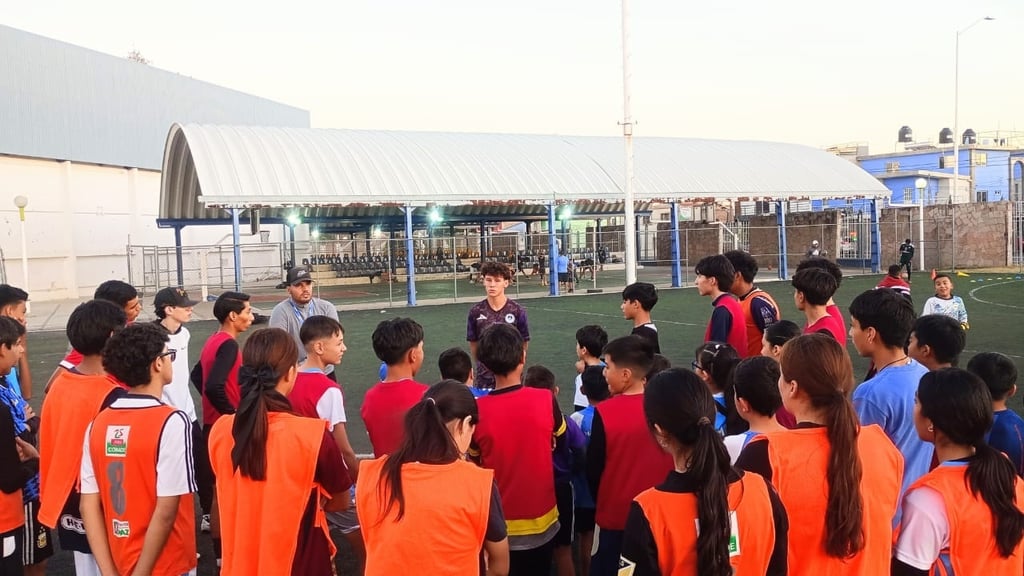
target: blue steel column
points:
(677, 268)
(876, 234)
(410, 258)
(178, 257)
(780, 218)
(236, 240)
(552, 251)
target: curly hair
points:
(130, 352)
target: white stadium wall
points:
(79, 222)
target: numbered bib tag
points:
(734, 535)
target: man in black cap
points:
(293, 311)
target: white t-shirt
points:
(331, 407)
(175, 472)
(579, 399)
(177, 393)
(924, 529)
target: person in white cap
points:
(815, 251)
(300, 304)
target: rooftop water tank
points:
(946, 136)
(969, 137)
(906, 134)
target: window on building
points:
(979, 159)
(893, 166)
(945, 162)
(908, 195)
(981, 195)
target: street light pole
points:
(629, 228)
(922, 185)
(956, 128)
(21, 202)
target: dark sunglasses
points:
(171, 353)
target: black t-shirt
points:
(648, 332)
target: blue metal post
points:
(780, 218)
(677, 267)
(178, 257)
(876, 235)
(410, 258)
(236, 240)
(552, 251)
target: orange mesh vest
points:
(446, 509)
(260, 519)
(799, 459)
(12, 511)
(124, 445)
(672, 518)
(68, 408)
(754, 334)
(972, 541)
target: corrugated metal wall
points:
(69, 103)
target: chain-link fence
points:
(375, 268)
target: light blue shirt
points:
(888, 400)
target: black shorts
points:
(11, 563)
(585, 521)
(36, 540)
(563, 276)
(565, 499)
(71, 528)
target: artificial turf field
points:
(995, 304)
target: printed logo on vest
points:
(511, 319)
(117, 441)
(734, 535)
(626, 567)
(122, 529)
(72, 524)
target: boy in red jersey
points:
(622, 458)
(833, 269)
(518, 427)
(216, 376)
(137, 471)
(315, 395)
(399, 344)
(813, 288)
(715, 276)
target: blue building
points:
(990, 169)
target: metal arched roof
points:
(207, 167)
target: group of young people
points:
(761, 457)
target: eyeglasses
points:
(695, 366)
(172, 354)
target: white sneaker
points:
(204, 525)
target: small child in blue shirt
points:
(595, 388)
(1007, 433)
(568, 460)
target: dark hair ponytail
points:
(959, 405)
(267, 357)
(427, 438)
(719, 360)
(680, 404)
(823, 371)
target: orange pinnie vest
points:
(260, 520)
(446, 510)
(12, 511)
(972, 542)
(124, 445)
(68, 408)
(673, 521)
(754, 334)
(799, 460)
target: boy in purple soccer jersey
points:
(497, 308)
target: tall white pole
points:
(21, 202)
(627, 133)
(956, 131)
(956, 142)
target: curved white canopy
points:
(232, 166)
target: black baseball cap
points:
(176, 297)
(298, 275)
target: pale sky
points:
(816, 72)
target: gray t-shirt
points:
(289, 316)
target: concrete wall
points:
(983, 232)
(79, 221)
(801, 229)
(696, 240)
